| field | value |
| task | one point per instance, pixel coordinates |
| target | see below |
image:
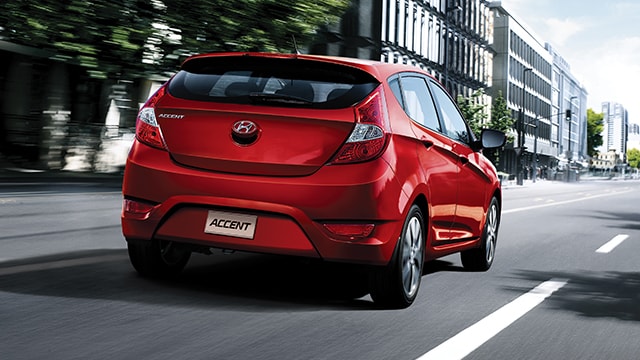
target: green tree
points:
(110, 39)
(106, 38)
(190, 27)
(473, 110)
(633, 158)
(500, 120)
(501, 117)
(594, 131)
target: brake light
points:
(368, 138)
(147, 128)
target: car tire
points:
(396, 285)
(481, 258)
(158, 258)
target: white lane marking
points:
(612, 244)
(562, 202)
(59, 264)
(477, 334)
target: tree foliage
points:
(594, 131)
(105, 37)
(633, 158)
(501, 117)
(473, 110)
(250, 25)
(124, 38)
(476, 114)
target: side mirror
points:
(492, 139)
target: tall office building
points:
(615, 129)
(522, 69)
(568, 135)
(449, 38)
(633, 139)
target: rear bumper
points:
(290, 210)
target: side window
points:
(394, 84)
(454, 125)
(418, 103)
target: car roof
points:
(380, 70)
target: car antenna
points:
(295, 45)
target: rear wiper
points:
(279, 98)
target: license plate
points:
(231, 224)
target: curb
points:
(13, 175)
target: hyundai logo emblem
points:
(245, 128)
(245, 131)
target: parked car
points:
(338, 159)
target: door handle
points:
(463, 159)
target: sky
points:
(599, 39)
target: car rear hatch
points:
(260, 115)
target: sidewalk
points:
(10, 175)
(511, 184)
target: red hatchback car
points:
(338, 159)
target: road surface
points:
(565, 285)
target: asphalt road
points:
(67, 290)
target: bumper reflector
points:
(350, 231)
(136, 209)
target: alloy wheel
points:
(412, 256)
(492, 229)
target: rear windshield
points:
(268, 81)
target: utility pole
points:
(536, 133)
(569, 117)
(521, 148)
(535, 149)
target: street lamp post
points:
(535, 149)
(535, 126)
(520, 149)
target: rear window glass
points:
(268, 81)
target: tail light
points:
(147, 129)
(369, 137)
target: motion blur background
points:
(73, 73)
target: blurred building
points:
(52, 111)
(633, 141)
(607, 162)
(615, 130)
(450, 39)
(539, 87)
(569, 134)
(34, 96)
